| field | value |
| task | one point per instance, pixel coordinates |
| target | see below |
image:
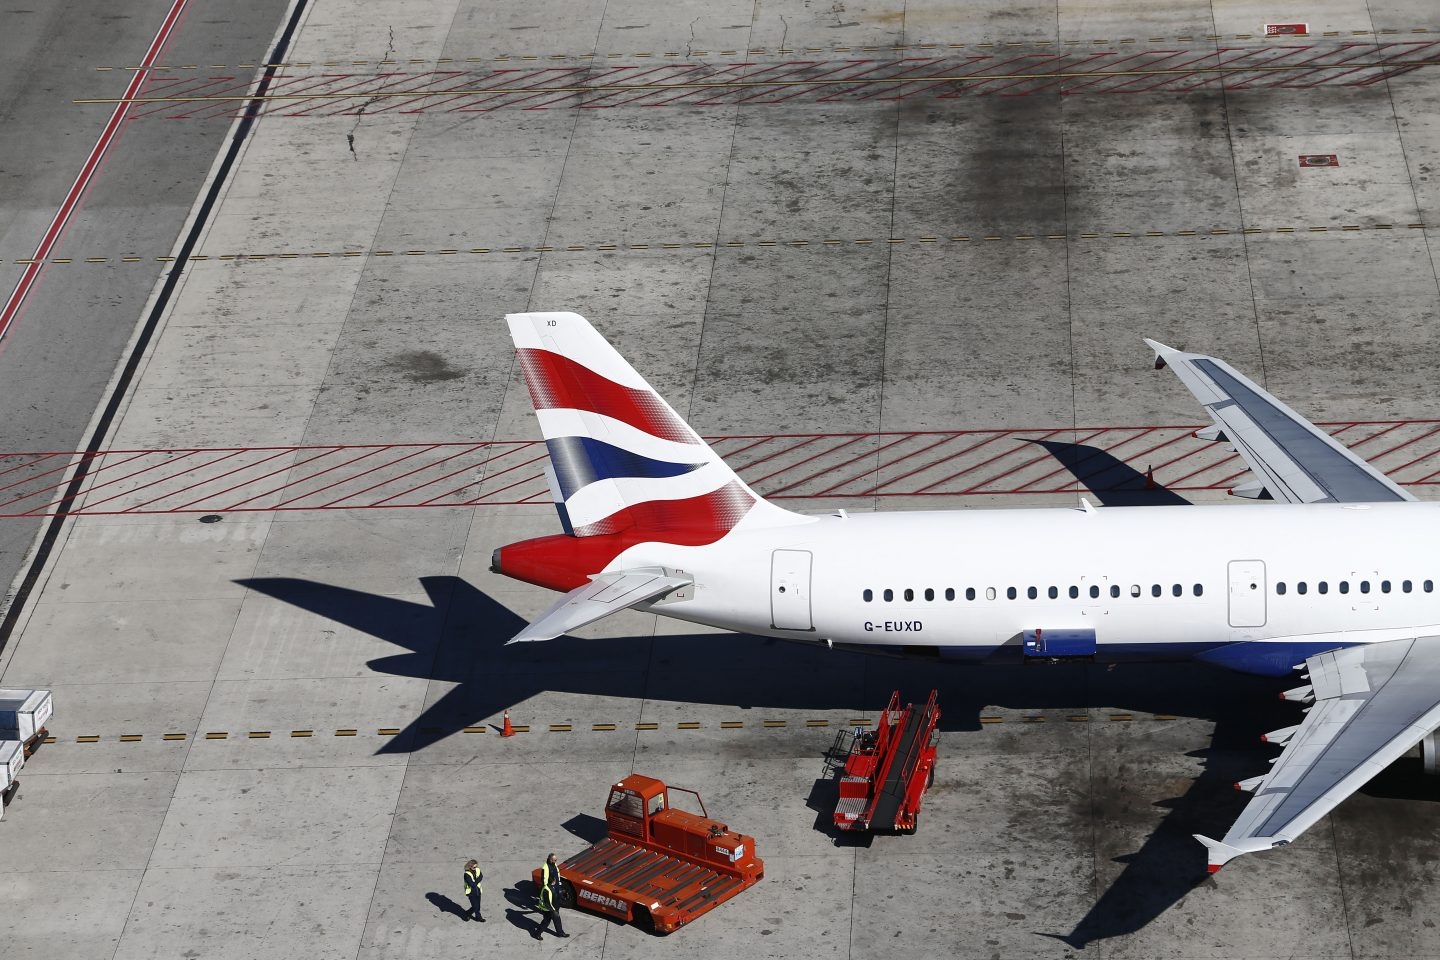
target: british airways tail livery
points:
(1337, 580)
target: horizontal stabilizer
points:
(605, 594)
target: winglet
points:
(1162, 353)
(1223, 853)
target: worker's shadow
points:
(457, 639)
(445, 905)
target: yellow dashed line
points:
(774, 723)
(992, 719)
(347, 732)
(259, 735)
(87, 739)
(388, 732)
(558, 728)
(731, 724)
(217, 736)
(176, 736)
(602, 726)
(131, 737)
(688, 725)
(302, 733)
(647, 726)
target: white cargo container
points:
(23, 713)
(12, 758)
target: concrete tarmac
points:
(276, 734)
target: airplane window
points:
(1054, 593)
(1010, 593)
(1384, 586)
(1344, 586)
(1032, 593)
(1155, 590)
(1300, 588)
(1322, 587)
(989, 593)
(1364, 586)
(1074, 592)
(1177, 590)
(1094, 592)
(1134, 589)
(1405, 586)
(949, 593)
(929, 594)
(889, 594)
(868, 595)
(1280, 588)
(1199, 590)
(909, 594)
(1429, 586)
(970, 593)
(1114, 589)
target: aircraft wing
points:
(605, 594)
(1292, 459)
(1373, 702)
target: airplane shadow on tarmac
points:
(458, 638)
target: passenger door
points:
(790, 590)
(1247, 593)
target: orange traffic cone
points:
(507, 730)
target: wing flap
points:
(1293, 460)
(1373, 703)
(606, 593)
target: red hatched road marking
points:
(926, 466)
(33, 270)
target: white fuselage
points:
(1150, 582)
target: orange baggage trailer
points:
(659, 865)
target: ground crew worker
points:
(473, 890)
(549, 899)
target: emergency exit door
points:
(1247, 593)
(790, 590)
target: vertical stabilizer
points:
(622, 458)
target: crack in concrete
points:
(690, 44)
(360, 114)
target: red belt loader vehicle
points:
(659, 864)
(888, 769)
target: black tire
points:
(565, 894)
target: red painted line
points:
(1033, 460)
(36, 458)
(919, 469)
(230, 473)
(1425, 436)
(120, 479)
(1097, 452)
(62, 470)
(31, 459)
(164, 496)
(323, 452)
(450, 493)
(30, 277)
(806, 479)
(983, 463)
(876, 470)
(422, 468)
(291, 484)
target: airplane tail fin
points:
(620, 457)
